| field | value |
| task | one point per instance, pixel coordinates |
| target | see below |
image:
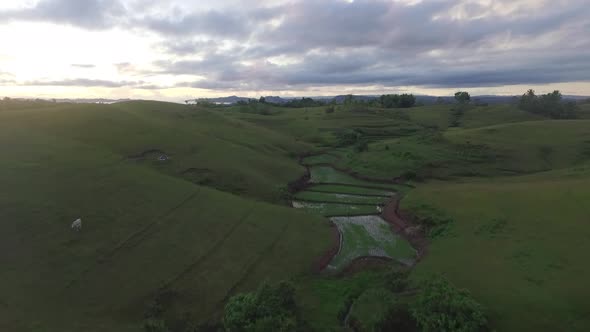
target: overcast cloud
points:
(225, 46)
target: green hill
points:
(146, 227)
(515, 243)
(183, 207)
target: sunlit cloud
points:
(180, 49)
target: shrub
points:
(397, 318)
(456, 116)
(396, 280)
(378, 309)
(270, 308)
(361, 146)
(410, 175)
(347, 137)
(442, 307)
(155, 325)
(330, 109)
(436, 222)
(346, 305)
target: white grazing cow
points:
(77, 224)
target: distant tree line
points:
(550, 105)
(304, 102)
(255, 106)
(397, 101)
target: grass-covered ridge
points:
(515, 244)
(144, 225)
(183, 207)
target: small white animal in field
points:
(77, 224)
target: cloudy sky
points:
(178, 49)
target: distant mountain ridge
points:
(424, 99)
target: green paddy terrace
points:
(362, 232)
(369, 236)
(314, 196)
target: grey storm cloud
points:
(90, 14)
(209, 23)
(337, 42)
(84, 82)
(392, 44)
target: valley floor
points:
(495, 199)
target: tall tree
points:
(462, 97)
(550, 105)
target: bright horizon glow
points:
(178, 50)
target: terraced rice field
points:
(336, 209)
(369, 236)
(354, 206)
(311, 196)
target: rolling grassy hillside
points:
(202, 145)
(146, 228)
(506, 149)
(515, 241)
(209, 220)
(515, 244)
(532, 146)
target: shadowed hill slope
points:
(145, 228)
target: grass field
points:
(144, 226)
(526, 241)
(532, 146)
(192, 139)
(515, 242)
(507, 149)
(210, 220)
